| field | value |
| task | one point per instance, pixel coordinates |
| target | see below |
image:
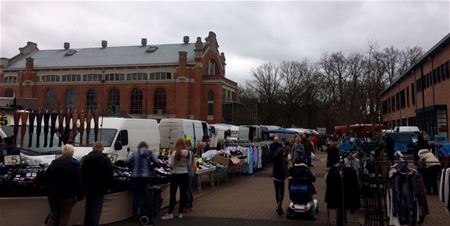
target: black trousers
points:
(178, 181)
(279, 191)
(60, 211)
(189, 196)
(431, 179)
(93, 209)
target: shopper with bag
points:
(178, 161)
(141, 161)
(63, 187)
(97, 174)
(191, 173)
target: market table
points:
(199, 174)
(32, 211)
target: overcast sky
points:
(250, 33)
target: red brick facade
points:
(425, 86)
(186, 86)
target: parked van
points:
(218, 133)
(407, 129)
(118, 135)
(172, 129)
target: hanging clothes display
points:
(88, 126)
(23, 129)
(74, 131)
(39, 116)
(96, 117)
(66, 136)
(16, 126)
(82, 117)
(60, 127)
(334, 192)
(406, 197)
(444, 187)
(53, 117)
(46, 127)
(260, 158)
(31, 128)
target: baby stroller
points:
(302, 204)
(152, 205)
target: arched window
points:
(49, 100)
(9, 93)
(159, 103)
(136, 101)
(210, 103)
(211, 67)
(114, 101)
(91, 100)
(70, 99)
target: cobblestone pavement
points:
(247, 200)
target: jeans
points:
(189, 196)
(60, 211)
(178, 180)
(93, 209)
(138, 188)
(279, 191)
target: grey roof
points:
(105, 57)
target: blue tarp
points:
(445, 150)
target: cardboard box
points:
(222, 160)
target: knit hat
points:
(98, 146)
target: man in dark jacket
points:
(274, 147)
(309, 148)
(63, 187)
(97, 174)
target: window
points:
(407, 96)
(397, 101)
(49, 100)
(10, 79)
(9, 93)
(136, 101)
(114, 101)
(70, 99)
(402, 99)
(413, 95)
(91, 100)
(159, 101)
(447, 68)
(210, 103)
(211, 67)
(393, 103)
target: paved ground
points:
(249, 200)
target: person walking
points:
(274, 147)
(432, 168)
(63, 186)
(297, 149)
(178, 161)
(279, 174)
(97, 175)
(309, 149)
(141, 162)
(190, 167)
(332, 154)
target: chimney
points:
(143, 41)
(182, 58)
(104, 44)
(66, 45)
(30, 47)
(186, 39)
(198, 44)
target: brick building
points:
(184, 80)
(421, 96)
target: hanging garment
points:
(447, 187)
(23, 129)
(53, 117)
(260, 159)
(39, 116)
(249, 152)
(67, 117)
(82, 117)
(16, 127)
(46, 127)
(74, 130)
(95, 116)
(441, 186)
(31, 128)
(60, 127)
(255, 157)
(351, 192)
(88, 126)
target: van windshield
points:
(31, 148)
(105, 135)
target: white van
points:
(118, 135)
(401, 129)
(244, 133)
(172, 129)
(218, 133)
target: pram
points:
(152, 205)
(302, 204)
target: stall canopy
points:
(280, 131)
